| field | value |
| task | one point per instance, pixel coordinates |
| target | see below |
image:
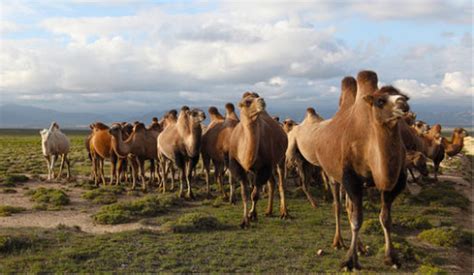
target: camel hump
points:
(311, 111)
(229, 107)
(367, 82)
(349, 84)
(100, 126)
(213, 111)
(248, 93)
(184, 108)
(154, 120)
(139, 127)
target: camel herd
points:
(372, 140)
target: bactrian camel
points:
(54, 143)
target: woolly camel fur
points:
(180, 143)
(54, 143)
(257, 146)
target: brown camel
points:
(288, 125)
(456, 144)
(416, 160)
(215, 146)
(421, 127)
(141, 145)
(180, 143)
(362, 143)
(429, 144)
(257, 145)
(100, 147)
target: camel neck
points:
(121, 147)
(457, 140)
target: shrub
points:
(9, 244)
(11, 180)
(414, 222)
(103, 195)
(193, 222)
(123, 212)
(429, 269)
(446, 237)
(48, 198)
(6, 210)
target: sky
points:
(137, 56)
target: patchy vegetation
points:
(372, 227)
(429, 269)
(193, 222)
(12, 180)
(124, 212)
(48, 198)
(7, 210)
(10, 244)
(441, 195)
(413, 222)
(446, 237)
(103, 195)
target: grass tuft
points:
(103, 195)
(10, 244)
(429, 269)
(372, 227)
(441, 195)
(193, 222)
(48, 198)
(445, 237)
(12, 180)
(7, 210)
(412, 222)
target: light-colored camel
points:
(362, 143)
(166, 166)
(180, 143)
(288, 125)
(54, 143)
(215, 146)
(421, 127)
(257, 146)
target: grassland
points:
(203, 235)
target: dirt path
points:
(77, 213)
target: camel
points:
(427, 143)
(421, 127)
(288, 125)
(362, 143)
(215, 146)
(456, 144)
(180, 143)
(164, 164)
(54, 143)
(100, 149)
(141, 145)
(257, 145)
(416, 160)
(301, 137)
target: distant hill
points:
(20, 116)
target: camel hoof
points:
(392, 261)
(253, 216)
(349, 265)
(337, 245)
(245, 223)
(284, 215)
(190, 196)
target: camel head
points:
(421, 127)
(115, 130)
(127, 128)
(410, 118)
(251, 105)
(388, 105)
(461, 132)
(196, 116)
(288, 125)
(419, 160)
(276, 118)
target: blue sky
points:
(96, 55)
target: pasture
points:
(75, 227)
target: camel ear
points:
(369, 99)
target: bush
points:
(6, 210)
(445, 237)
(372, 227)
(193, 222)
(414, 222)
(48, 198)
(124, 212)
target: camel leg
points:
(271, 192)
(101, 169)
(232, 189)
(172, 172)
(61, 167)
(207, 173)
(113, 169)
(385, 218)
(183, 175)
(353, 188)
(94, 171)
(281, 189)
(141, 164)
(152, 172)
(164, 173)
(338, 242)
(219, 172)
(47, 165)
(254, 197)
(189, 177)
(53, 160)
(118, 177)
(436, 168)
(68, 176)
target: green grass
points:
(204, 235)
(445, 237)
(7, 210)
(48, 198)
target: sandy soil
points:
(78, 213)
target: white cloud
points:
(458, 83)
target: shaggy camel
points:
(416, 160)
(301, 137)
(180, 143)
(362, 143)
(215, 146)
(257, 145)
(54, 143)
(456, 144)
(141, 145)
(100, 148)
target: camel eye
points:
(379, 102)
